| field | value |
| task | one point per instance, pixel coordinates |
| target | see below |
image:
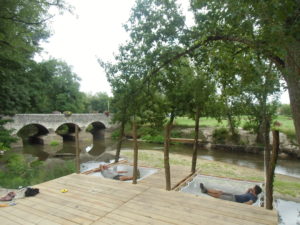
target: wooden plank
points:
(38, 210)
(61, 211)
(216, 213)
(75, 195)
(88, 181)
(78, 205)
(127, 220)
(97, 188)
(105, 181)
(8, 221)
(178, 214)
(141, 219)
(183, 140)
(63, 206)
(149, 211)
(6, 216)
(16, 212)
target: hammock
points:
(225, 184)
(144, 171)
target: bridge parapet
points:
(53, 121)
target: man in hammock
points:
(249, 197)
(116, 175)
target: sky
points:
(93, 31)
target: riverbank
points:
(285, 187)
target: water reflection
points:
(97, 148)
(35, 150)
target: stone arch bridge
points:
(48, 124)
(53, 121)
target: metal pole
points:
(77, 162)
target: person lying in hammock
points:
(116, 175)
(249, 197)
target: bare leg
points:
(214, 193)
(211, 192)
(123, 178)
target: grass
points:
(283, 185)
(287, 124)
(204, 122)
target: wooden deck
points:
(94, 200)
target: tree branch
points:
(255, 45)
(15, 19)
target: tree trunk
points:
(291, 75)
(120, 142)
(272, 165)
(166, 152)
(231, 125)
(196, 143)
(135, 153)
(260, 135)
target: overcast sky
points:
(94, 31)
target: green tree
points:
(56, 88)
(98, 102)
(285, 110)
(22, 27)
(270, 28)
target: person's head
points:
(257, 189)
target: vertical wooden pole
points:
(135, 153)
(272, 166)
(166, 153)
(267, 158)
(196, 144)
(77, 161)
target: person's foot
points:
(203, 189)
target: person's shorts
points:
(228, 197)
(117, 177)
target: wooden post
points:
(77, 161)
(267, 158)
(272, 166)
(135, 153)
(196, 144)
(166, 153)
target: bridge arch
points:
(67, 131)
(31, 133)
(96, 128)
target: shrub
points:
(220, 135)
(54, 143)
(67, 113)
(153, 139)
